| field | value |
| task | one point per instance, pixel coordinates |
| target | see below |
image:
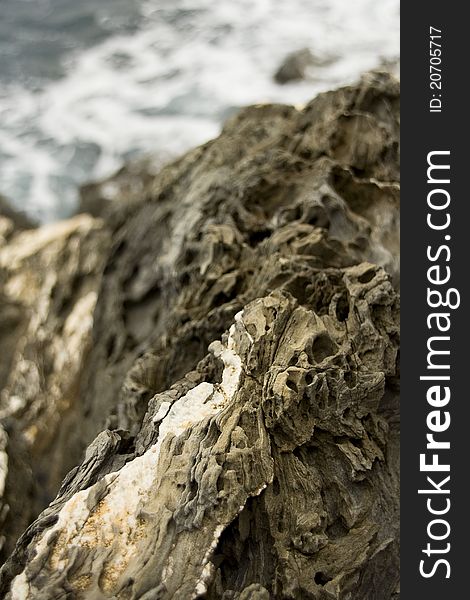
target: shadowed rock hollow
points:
(224, 339)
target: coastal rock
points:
(236, 369)
(49, 283)
(296, 66)
(17, 488)
(281, 191)
(128, 185)
(12, 221)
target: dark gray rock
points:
(19, 219)
(126, 186)
(298, 65)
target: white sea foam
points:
(170, 85)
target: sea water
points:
(88, 84)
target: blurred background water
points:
(88, 84)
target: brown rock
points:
(242, 375)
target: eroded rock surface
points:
(239, 369)
(49, 284)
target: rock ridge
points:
(210, 367)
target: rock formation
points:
(299, 65)
(12, 220)
(49, 284)
(216, 358)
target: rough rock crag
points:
(227, 340)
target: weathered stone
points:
(12, 220)
(242, 375)
(187, 257)
(17, 488)
(296, 65)
(49, 284)
(126, 186)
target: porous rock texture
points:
(230, 351)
